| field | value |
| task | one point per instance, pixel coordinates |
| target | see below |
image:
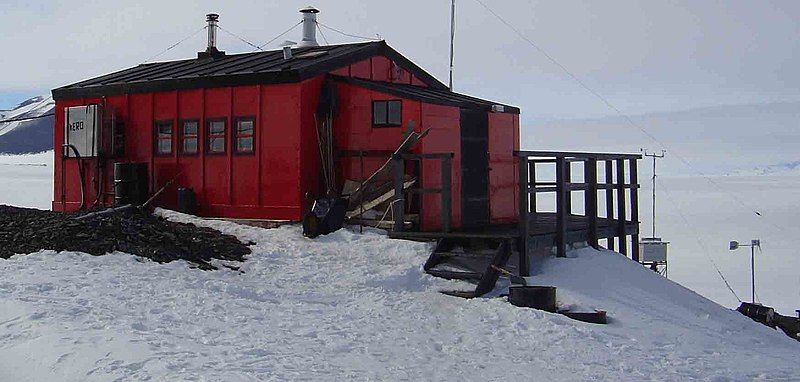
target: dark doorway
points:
(474, 168)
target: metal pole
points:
(654, 196)
(452, 38)
(753, 270)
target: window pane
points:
(165, 129)
(378, 113)
(190, 145)
(190, 128)
(217, 128)
(245, 127)
(164, 146)
(217, 145)
(395, 113)
(244, 145)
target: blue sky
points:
(642, 56)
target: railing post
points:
(621, 204)
(590, 199)
(567, 182)
(446, 193)
(634, 208)
(532, 184)
(562, 193)
(524, 189)
(398, 204)
(610, 199)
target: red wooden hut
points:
(240, 130)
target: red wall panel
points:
(503, 140)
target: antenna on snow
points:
(653, 250)
(452, 37)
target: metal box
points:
(652, 249)
(82, 130)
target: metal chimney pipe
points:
(212, 19)
(309, 27)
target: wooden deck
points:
(542, 231)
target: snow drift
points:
(358, 306)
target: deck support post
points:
(590, 199)
(447, 195)
(634, 208)
(609, 167)
(525, 187)
(398, 204)
(621, 219)
(562, 213)
(532, 184)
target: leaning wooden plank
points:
(375, 202)
(411, 139)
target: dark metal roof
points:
(439, 96)
(237, 69)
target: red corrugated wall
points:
(273, 181)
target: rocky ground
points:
(24, 230)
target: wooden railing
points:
(445, 191)
(563, 187)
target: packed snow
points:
(359, 307)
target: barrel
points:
(130, 183)
(537, 297)
(187, 202)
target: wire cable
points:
(628, 119)
(348, 34)
(175, 44)
(703, 247)
(27, 118)
(278, 36)
(242, 39)
(322, 34)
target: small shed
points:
(240, 130)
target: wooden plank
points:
(561, 207)
(523, 229)
(590, 199)
(447, 193)
(621, 208)
(576, 154)
(609, 197)
(399, 206)
(358, 211)
(634, 209)
(492, 273)
(567, 185)
(532, 181)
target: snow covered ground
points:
(358, 307)
(351, 306)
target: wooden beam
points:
(447, 194)
(576, 154)
(610, 197)
(590, 199)
(621, 207)
(399, 205)
(358, 211)
(561, 207)
(634, 209)
(523, 229)
(532, 181)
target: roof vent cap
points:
(309, 27)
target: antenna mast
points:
(452, 37)
(654, 156)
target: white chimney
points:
(212, 19)
(309, 27)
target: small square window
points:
(163, 130)
(245, 135)
(387, 113)
(216, 136)
(189, 137)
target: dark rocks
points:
(133, 231)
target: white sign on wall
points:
(81, 130)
